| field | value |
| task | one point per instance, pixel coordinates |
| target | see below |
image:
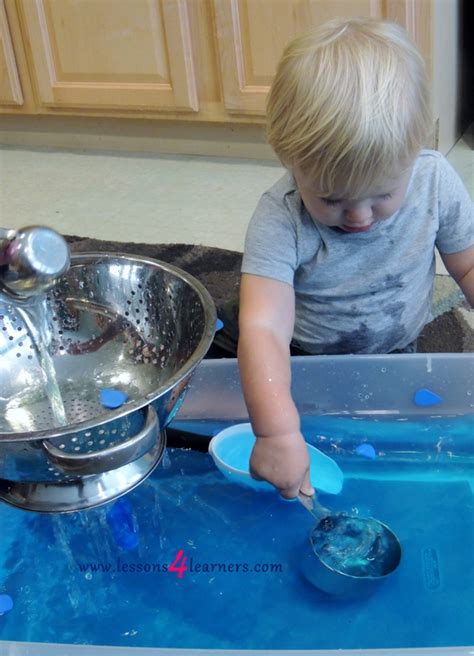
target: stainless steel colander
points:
(115, 321)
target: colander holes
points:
(122, 434)
(90, 443)
(101, 431)
(138, 321)
(101, 441)
(61, 348)
(127, 314)
(60, 332)
(133, 293)
(62, 446)
(77, 448)
(18, 355)
(74, 439)
(114, 431)
(10, 338)
(129, 302)
(4, 328)
(140, 286)
(56, 473)
(30, 357)
(50, 468)
(88, 434)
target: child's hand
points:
(283, 461)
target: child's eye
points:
(329, 201)
(386, 196)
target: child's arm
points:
(461, 267)
(266, 323)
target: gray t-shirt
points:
(364, 292)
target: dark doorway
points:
(466, 25)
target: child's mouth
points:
(356, 228)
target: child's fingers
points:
(306, 487)
(289, 493)
(254, 475)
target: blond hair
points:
(349, 104)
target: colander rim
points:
(210, 316)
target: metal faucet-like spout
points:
(31, 260)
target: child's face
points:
(353, 214)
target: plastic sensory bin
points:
(399, 427)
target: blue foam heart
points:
(112, 398)
(6, 603)
(425, 397)
(366, 450)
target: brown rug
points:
(452, 330)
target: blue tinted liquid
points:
(72, 582)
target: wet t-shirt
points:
(366, 292)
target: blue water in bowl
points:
(65, 574)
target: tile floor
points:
(133, 198)
(138, 198)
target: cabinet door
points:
(252, 34)
(10, 88)
(132, 54)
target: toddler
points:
(340, 252)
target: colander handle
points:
(112, 457)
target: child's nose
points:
(360, 214)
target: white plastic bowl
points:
(231, 450)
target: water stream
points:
(36, 316)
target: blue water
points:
(188, 505)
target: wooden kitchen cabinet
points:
(10, 87)
(124, 54)
(195, 60)
(16, 91)
(251, 35)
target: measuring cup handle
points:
(318, 511)
(112, 457)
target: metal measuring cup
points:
(350, 555)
